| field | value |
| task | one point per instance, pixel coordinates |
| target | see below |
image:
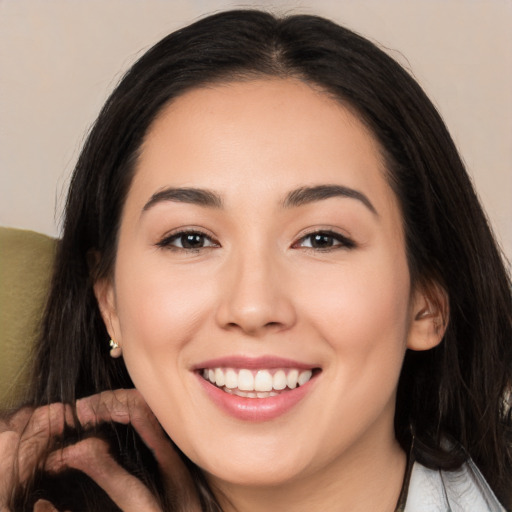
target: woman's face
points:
(262, 248)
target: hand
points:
(92, 456)
(44, 506)
(24, 438)
(28, 434)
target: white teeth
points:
(279, 380)
(264, 394)
(291, 379)
(263, 381)
(304, 377)
(250, 394)
(219, 377)
(245, 380)
(256, 384)
(231, 380)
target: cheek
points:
(359, 298)
(362, 313)
(160, 309)
(372, 307)
(157, 307)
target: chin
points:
(261, 474)
(255, 464)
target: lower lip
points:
(255, 409)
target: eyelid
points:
(345, 241)
(165, 241)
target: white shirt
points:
(463, 490)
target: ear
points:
(429, 317)
(105, 295)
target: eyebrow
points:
(294, 199)
(198, 196)
(307, 195)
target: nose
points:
(254, 296)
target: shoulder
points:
(462, 490)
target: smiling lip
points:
(253, 363)
(255, 409)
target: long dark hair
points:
(457, 390)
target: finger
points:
(28, 436)
(122, 406)
(108, 406)
(128, 406)
(44, 506)
(26, 441)
(19, 420)
(92, 457)
(44, 424)
(48, 420)
(8, 446)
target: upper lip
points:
(253, 363)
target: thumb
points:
(44, 506)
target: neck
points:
(365, 478)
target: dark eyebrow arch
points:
(198, 196)
(306, 195)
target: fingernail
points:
(43, 506)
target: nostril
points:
(252, 329)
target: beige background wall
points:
(60, 58)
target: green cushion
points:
(26, 259)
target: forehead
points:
(264, 136)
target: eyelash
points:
(337, 240)
(166, 242)
(341, 241)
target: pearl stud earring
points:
(115, 349)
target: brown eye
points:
(321, 241)
(188, 240)
(325, 240)
(191, 240)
